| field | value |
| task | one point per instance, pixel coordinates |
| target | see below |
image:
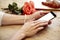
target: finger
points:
(43, 24)
(36, 15)
(40, 25)
(44, 13)
(35, 23)
(38, 22)
(49, 22)
(39, 14)
(38, 29)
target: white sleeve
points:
(1, 16)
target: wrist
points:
(18, 36)
(28, 17)
(22, 35)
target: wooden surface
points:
(52, 32)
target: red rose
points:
(28, 8)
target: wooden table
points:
(52, 32)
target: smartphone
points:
(51, 15)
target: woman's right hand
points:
(32, 27)
(29, 29)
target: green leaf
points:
(10, 7)
(14, 4)
(14, 8)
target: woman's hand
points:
(29, 29)
(32, 27)
(9, 19)
(36, 15)
(52, 4)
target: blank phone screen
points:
(47, 17)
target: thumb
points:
(39, 29)
(44, 13)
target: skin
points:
(9, 19)
(29, 26)
(29, 29)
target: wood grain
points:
(52, 32)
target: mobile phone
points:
(51, 15)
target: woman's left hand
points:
(36, 15)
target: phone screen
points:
(48, 16)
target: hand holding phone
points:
(49, 16)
